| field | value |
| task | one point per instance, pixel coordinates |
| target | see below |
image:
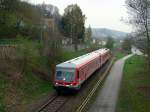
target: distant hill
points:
(103, 33)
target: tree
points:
(73, 24)
(110, 43)
(88, 35)
(9, 5)
(18, 17)
(140, 18)
(7, 17)
(126, 45)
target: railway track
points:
(54, 104)
(92, 92)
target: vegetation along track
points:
(53, 104)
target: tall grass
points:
(134, 95)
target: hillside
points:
(103, 33)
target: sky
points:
(99, 13)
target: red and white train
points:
(71, 74)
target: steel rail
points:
(89, 96)
(54, 104)
(48, 102)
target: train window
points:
(65, 76)
(69, 76)
(59, 75)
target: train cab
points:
(66, 76)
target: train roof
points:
(102, 51)
(73, 63)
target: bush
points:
(28, 53)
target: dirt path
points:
(107, 98)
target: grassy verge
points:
(14, 95)
(119, 55)
(70, 55)
(135, 90)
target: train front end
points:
(65, 77)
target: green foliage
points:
(135, 87)
(110, 43)
(10, 5)
(88, 36)
(119, 55)
(32, 86)
(126, 45)
(21, 54)
(70, 55)
(8, 24)
(14, 95)
(67, 55)
(29, 53)
(73, 23)
(18, 79)
(18, 17)
(93, 47)
(140, 19)
(55, 45)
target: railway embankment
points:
(19, 91)
(44, 99)
(71, 102)
(135, 89)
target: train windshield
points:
(66, 76)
